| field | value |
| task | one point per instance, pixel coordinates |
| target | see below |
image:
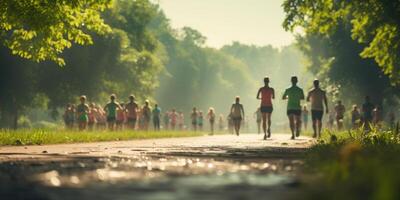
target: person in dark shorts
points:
(82, 111)
(132, 112)
(367, 109)
(339, 110)
(267, 93)
(156, 117)
(237, 114)
(317, 97)
(294, 95)
(111, 111)
(194, 117)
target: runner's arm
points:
(302, 95)
(258, 93)
(308, 96)
(284, 97)
(273, 93)
(241, 107)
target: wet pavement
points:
(209, 167)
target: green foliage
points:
(374, 23)
(40, 29)
(355, 166)
(53, 136)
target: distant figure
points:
(121, 115)
(82, 111)
(194, 117)
(221, 122)
(229, 119)
(166, 120)
(294, 95)
(173, 118)
(267, 94)
(146, 115)
(100, 118)
(69, 116)
(305, 114)
(181, 121)
(111, 110)
(132, 112)
(355, 117)
(339, 110)
(318, 99)
(211, 119)
(200, 121)
(367, 109)
(237, 114)
(377, 117)
(92, 116)
(156, 117)
(258, 117)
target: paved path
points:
(221, 167)
(221, 145)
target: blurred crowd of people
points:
(120, 116)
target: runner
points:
(92, 116)
(355, 117)
(237, 114)
(146, 114)
(377, 116)
(367, 109)
(166, 120)
(181, 120)
(305, 114)
(111, 112)
(221, 122)
(100, 118)
(173, 116)
(69, 116)
(194, 117)
(339, 110)
(229, 119)
(82, 111)
(132, 112)
(294, 95)
(267, 94)
(121, 116)
(200, 120)
(258, 117)
(317, 97)
(211, 119)
(156, 117)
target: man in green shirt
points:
(294, 95)
(111, 110)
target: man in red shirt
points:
(267, 94)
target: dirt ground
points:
(208, 167)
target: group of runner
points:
(369, 114)
(116, 116)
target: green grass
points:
(47, 136)
(354, 165)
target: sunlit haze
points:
(223, 21)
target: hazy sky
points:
(223, 21)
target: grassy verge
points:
(40, 137)
(354, 165)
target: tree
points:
(40, 30)
(373, 23)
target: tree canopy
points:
(373, 23)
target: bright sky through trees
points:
(223, 21)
